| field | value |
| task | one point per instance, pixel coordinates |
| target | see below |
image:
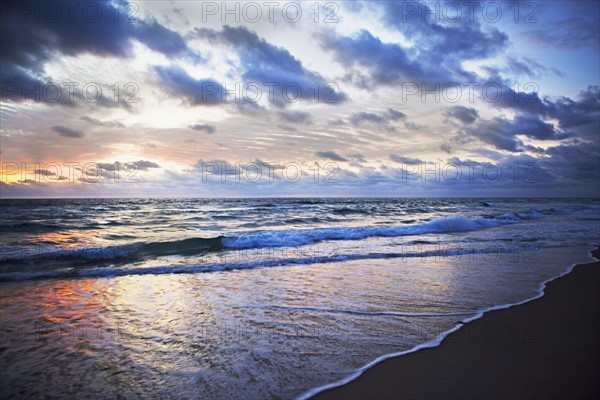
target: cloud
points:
(336, 122)
(29, 39)
(296, 117)
(535, 128)
(331, 155)
(496, 132)
(160, 38)
(44, 172)
(388, 63)
(567, 34)
(144, 165)
(264, 63)
(445, 147)
(249, 108)
(405, 160)
(466, 115)
(287, 128)
(177, 82)
(141, 165)
(389, 115)
(502, 133)
(573, 162)
(438, 41)
(359, 158)
(97, 122)
(581, 112)
(528, 67)
(210, 129)
(216, 167)
(383, 119)
(570, 113)
(436, 55)
(67, 132)
(364, 116)
(574, 113)
(395, 115)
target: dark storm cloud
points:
(177, 82)
(498, 132)
(566, 166)
(502, 133)
(578, 161)
(34, 32)
(466, 115)
(160, 38)
(265, 63)
(210, 129)
(535, 128)
(570, 113)
(331, 155)
(463, 39)
(575, 113)
(509, 171)
(388, 63)
(67, 132)
(20, 83)
(437, 55)
(500, 92)
(436, 59)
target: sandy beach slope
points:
(547, 349)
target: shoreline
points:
(540, 347)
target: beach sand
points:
(547, 348)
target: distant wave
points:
(298, 237)
(346, 211)
(258, 239)
(259, 261)
(177, 247)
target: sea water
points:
(258, 298)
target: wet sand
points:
(548, 348)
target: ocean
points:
(260, 298)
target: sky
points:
(314, 98)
